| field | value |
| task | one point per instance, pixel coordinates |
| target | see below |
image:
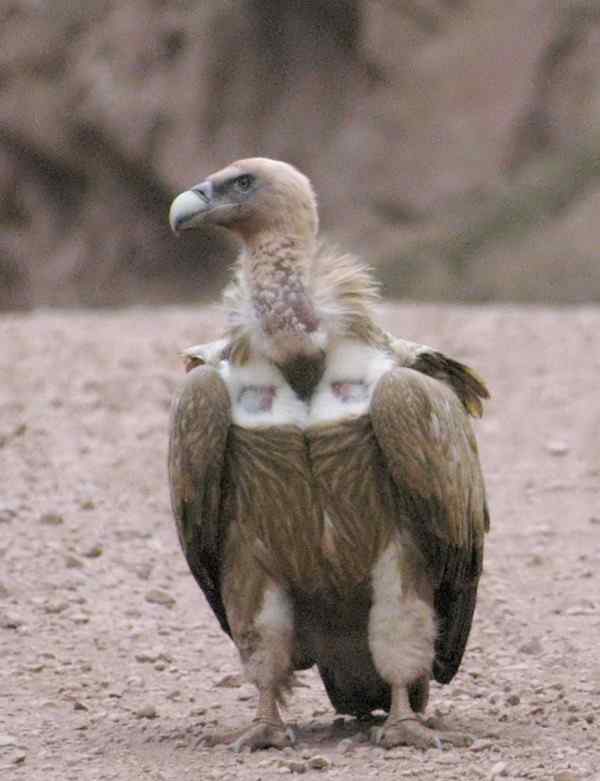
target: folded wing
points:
(200, 422)
(424, 432)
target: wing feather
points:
(423, 430)
(464, 381)
(200, 421)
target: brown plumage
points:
(324, 475)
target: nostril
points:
(204, 190)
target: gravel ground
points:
(113, 667)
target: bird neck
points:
(277, 269)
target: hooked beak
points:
(190, 207)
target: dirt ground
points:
(113, 667)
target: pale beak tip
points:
(183, 209)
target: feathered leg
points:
(401, 639)
(261, 619)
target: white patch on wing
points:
(401, 626)
(352, 372)
(268, 660)
(260, 396)
(276, 611)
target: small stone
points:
(7, 740)
(294, 765)
(146, 656)
(19, 757)
(10, 620)
(536, 560)
(499, 770)
(7, 514)
(79, 705)
(565, 775)
(319, 762)
(146, 712)
(480, 745)
(533, 646)
(143, 571)
(87, 504)
(55, 607)
(51, 519)
(557, 448)
(158, 597)
(344, 746)
(72, 562)
(514, 699)
(230, 681)
(94, 551)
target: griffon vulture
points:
(324, 476)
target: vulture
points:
(324, 475)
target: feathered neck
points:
(291, 307)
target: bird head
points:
(250, 197)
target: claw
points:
(264, 734)
(411, 731)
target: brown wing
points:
(427, 442)
(463, 380)
(200, 422)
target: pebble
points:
(565, 775)
(481, 745)
(51, 519)
(72, 562)
(499, 770)
(7, 740)
(146, 712)
(94, 551)
(294, 765)
(7, 514)
(557, 448)
(10, 620)
(147, 656)
(230, 681)
(514, 699)
(344, 746)
(158, 597)
(318, 762)
(533, 647)
(79, 618)
(55, 607)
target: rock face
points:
(454, 143)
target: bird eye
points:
(243, 183)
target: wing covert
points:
(427, 442)
(199, 426)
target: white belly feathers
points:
(260, 395)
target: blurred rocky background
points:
(454, 143)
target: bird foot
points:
(264, 734)
(411, 731)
